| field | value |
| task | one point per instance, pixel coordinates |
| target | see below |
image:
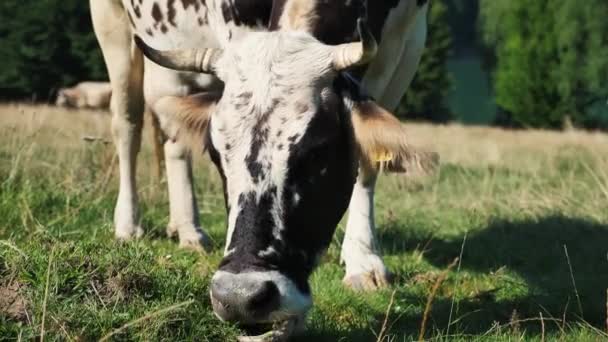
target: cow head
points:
(286, 135)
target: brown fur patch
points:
(298, 15)
(383, 145)
(189, 116)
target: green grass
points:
(511, 218)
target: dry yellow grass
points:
(484, 146)
(457, 144)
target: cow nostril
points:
(265, 297)
(236, 298)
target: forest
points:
(536, 64)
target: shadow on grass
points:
(509, 251)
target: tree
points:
(551, 60)
(426, 97)
(45, 45)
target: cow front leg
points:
(184, 218)
(365, 270)
(126, 130)
(125, 68)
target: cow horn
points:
(195, 60)
(351, 54)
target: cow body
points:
(274, 109)
(92, 95)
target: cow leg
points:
(184, 218)
(125, 68)
(365, 269)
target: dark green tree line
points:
(49, 44)
(46, 44)
(551, 60)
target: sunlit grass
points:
(506, 201)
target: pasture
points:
(525, 213)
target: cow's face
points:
(285, 136)
(282, 139)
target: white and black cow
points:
(286, 126)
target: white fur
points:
(246, 68)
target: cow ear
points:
(382, 142)
(186, 118)
(295, 15)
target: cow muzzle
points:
(243, 299)
(259, 300)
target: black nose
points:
(239, 298)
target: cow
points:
(91, 95)
(298, 129)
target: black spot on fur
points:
(242, 100)
(254, 166)
(246, 96)
(157, 14)
(302, 107)
(246, 12)
(293, 138)
(131, 19)
(228, 13)
(171, 12)
(136, 8)
(193, 3)
(260, 137)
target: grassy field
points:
(527, 212)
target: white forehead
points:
(271, 96)
(259, 55)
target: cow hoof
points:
(368, 281)
(130, 233)
(171, 231)
(198, 242)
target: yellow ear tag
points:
(382, 156)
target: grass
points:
(526, 213)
